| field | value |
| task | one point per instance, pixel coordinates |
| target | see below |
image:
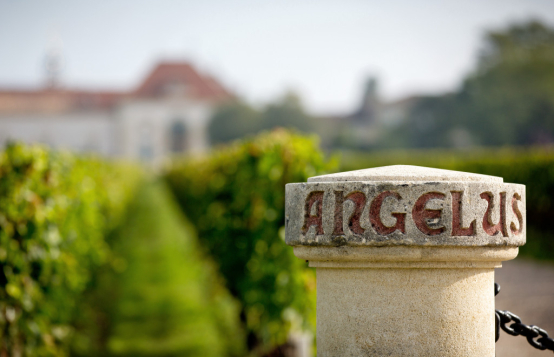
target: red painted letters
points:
(315, 197)
(489, 227)
(422, 214)
(354, 222)
(375, 215)
(517, 212)
(457, 229)
(339, 200)
(425, 219)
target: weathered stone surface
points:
(419, 209)
(405, 258)
(405, 312)
(405, 173)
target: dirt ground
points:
(527, 290)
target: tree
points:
(430, 124)
(507, 100)
(232, 121)
(237, 119)
(287, 112)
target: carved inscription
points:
(428, 220)
(314, 198)
(517, 212)
(422, 215)
(457, 229)
(354, 221)
(375, 215)
(339, 200)
(489, 227)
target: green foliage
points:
(507, 100)
(232, 121)
(510, 98)
(55, 210)
(235, 197)
(530, 43)
(287, 112)
(533, 167)
(87, 271)
(236, 119)
(162, 297)
(432, 122)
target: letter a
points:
(314, 197)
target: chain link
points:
(531, 332)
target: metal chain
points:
(543, 342)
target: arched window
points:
(178, 137)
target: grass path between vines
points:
(168, 299)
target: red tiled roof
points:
(181, 73)
(51, 101)
(164, 75)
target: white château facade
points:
(168, 113)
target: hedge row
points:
(533, 167)
(235, 198)
(55, 210)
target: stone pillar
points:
(405, 258)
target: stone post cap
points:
(405, 206)
(404, 173)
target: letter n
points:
(359, 200)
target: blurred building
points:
(370, 120)
(168, 113)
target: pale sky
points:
(322, 49)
